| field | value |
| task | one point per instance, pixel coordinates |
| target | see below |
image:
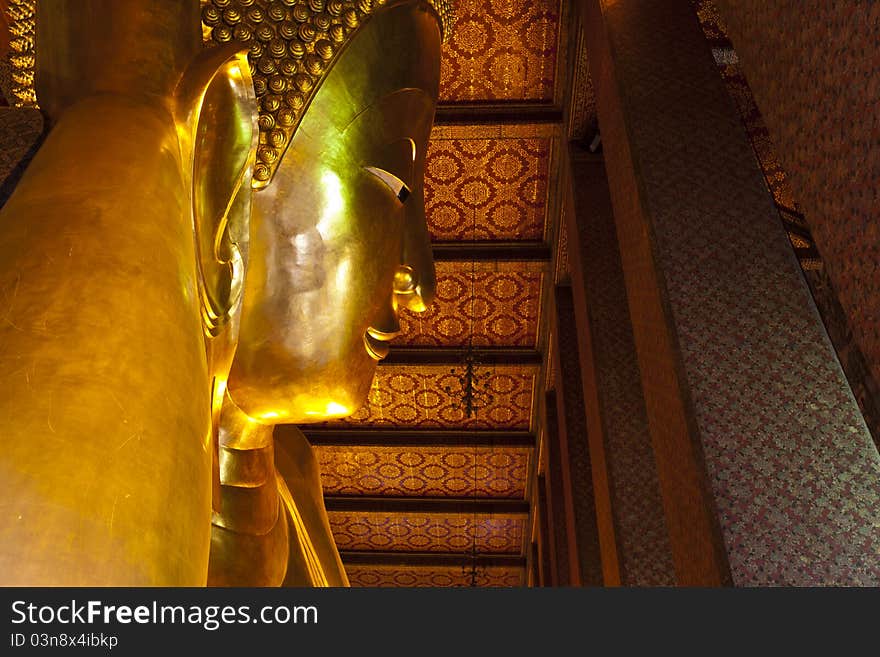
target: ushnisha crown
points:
(21, 15)
(292, 46)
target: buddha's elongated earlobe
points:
(216, 99)
(218, 112)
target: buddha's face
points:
(338, 238)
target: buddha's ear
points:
(216, 116)
(216, 112)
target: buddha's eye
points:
(395, 184)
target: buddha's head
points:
(338, 238)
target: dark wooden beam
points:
(455, 355)
(497, 113)
(479, 506)
(414, 437)
(352, 557)
(507, 251)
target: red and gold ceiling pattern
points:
(432, 576)
(487, 188)
(484, 182)
(497, 306)
(462, 472)
(503, 50)
(417, 397)
(449, 533)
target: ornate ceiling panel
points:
(487, 188)
(494, 307)
(428, 532)
(424, 471)
(432, 576)
(416, 397)
(504, 50)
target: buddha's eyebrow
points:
(394, 183)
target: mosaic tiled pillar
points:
(556, 497)
(814, 69)
(767, 471)
(585, 562)
(631, 520)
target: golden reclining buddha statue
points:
(210, 241)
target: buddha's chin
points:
(321, 397)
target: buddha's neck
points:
(241, 432)
(249, 493)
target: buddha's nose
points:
(414, 279)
